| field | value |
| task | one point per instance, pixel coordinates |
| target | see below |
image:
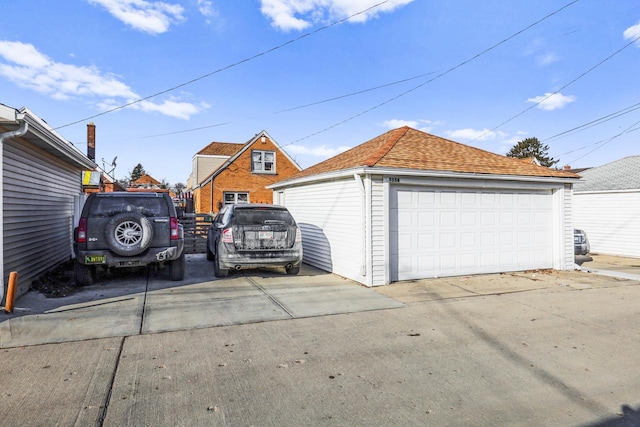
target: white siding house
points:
(607, 207)
(408, 205)
(40, 175)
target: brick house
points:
(226, 173)
(147, 183)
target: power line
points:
(562, 88)
(311, 104)
(595, 122)
(235, 64)
(436, 77)
(607, 141)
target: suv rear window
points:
(148, 206)
(259, 216)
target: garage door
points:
(453, 232)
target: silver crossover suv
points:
(252, 236)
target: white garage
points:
(408, 205)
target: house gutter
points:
(344, 173)
(24, 126)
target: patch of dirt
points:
(57, 282)
(541, 271)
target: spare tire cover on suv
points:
(128, 233)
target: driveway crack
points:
(271, 297)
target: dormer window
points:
(263, 161)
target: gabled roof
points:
(221, 149)
(408, 148)
(531, 160)
(623, 174)
(146, 179)
(244, 147)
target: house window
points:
(233, 198)
(263, 161)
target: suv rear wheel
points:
(293, 270)
(128, 233)
(217, 271)
(83, 274)
(176, 268)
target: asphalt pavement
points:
(528, 349)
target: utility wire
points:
(562, 88)
(436, 77)
(593, 123)
(299, 107)
(607, 141)
(235, 64)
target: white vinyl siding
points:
(38, 191)
(611, 220)
(331, 219)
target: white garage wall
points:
(611, 221)
(331, 218)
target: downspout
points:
(363, 193)
(24, 126)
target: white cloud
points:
(28, 68)
(469, 134)
(547, 58)
(153, 17)
(317, 151)
(416, 124)
(552, 101)
(207, 9)
(632, 33)
(300, 14)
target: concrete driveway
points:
(134, 302)
(518, 349)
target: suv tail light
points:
(227, 235)
(298, 235)
(175, 229)
(82, 230)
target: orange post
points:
(11, 291)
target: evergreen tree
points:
(532, 147)
(137, 172)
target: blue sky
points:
(486, 74)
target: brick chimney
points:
(91, 141)
(566, 167)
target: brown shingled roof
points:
(221, 149)
(146, 179)
(408, 148)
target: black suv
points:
(252, 236)
(127, 230)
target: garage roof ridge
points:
(394, 136)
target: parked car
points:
(252, 236)
(119, 230)
(580, 242)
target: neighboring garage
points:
(409, 205)
(607, 207)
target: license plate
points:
(265, 235)
(94, 259)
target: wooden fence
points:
(195, 232)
